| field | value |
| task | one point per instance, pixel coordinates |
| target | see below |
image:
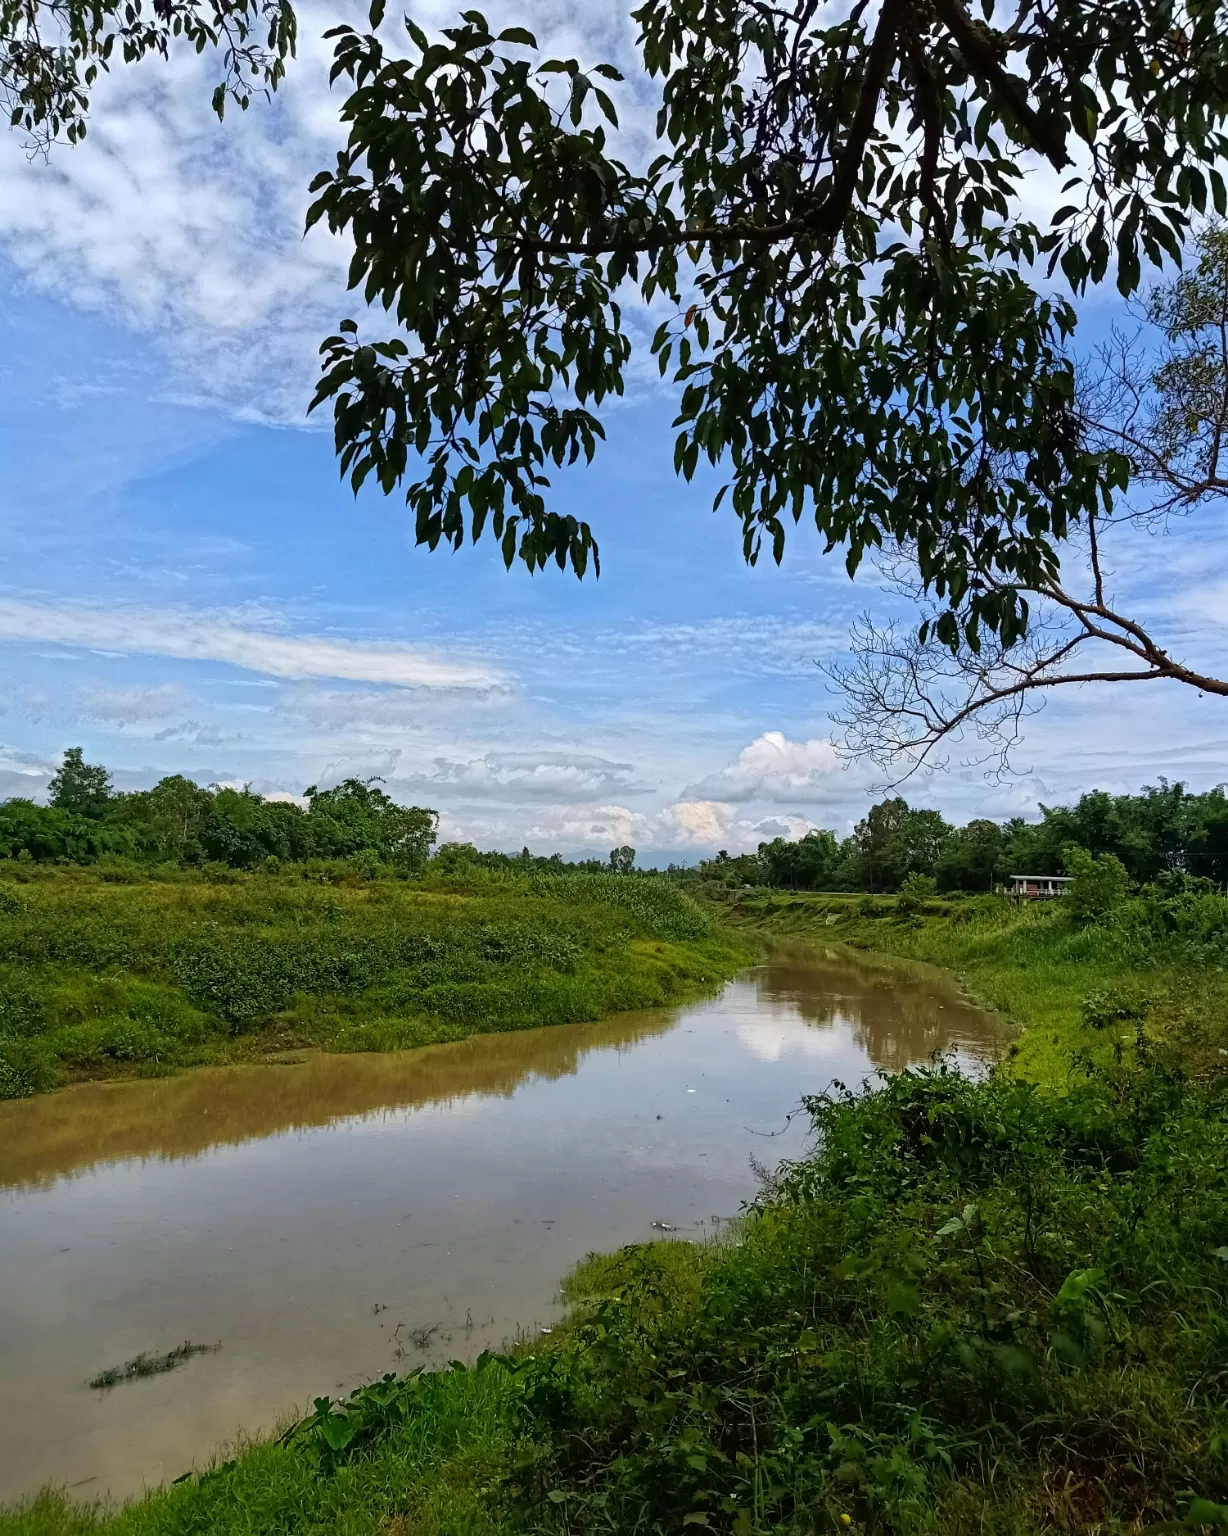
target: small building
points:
(1038, 887)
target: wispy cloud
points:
(192, 636)
(525, 776)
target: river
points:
(326, 1221)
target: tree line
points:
(178, 822)
(1164, 834)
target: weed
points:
(150, 1365)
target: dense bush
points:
(102, 976)
(978, 1307)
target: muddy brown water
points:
(334, 1219)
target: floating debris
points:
(146, 1364)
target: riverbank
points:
(104, 978)
(978, 1307)
(1155, 975)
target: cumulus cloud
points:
(695, 827)
(776, 769)
(195, 636)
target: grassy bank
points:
(1078, 993)
(103, 977)
(997, 1308)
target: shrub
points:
(1100, 884)
(915, 891)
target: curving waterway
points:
(329, 1220)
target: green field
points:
(102, 977)
(997, 1308)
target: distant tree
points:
(168, 820)
(622, 860)
(806, 864)
(971, 858)
(356, 815)
(896, 841)
(79, 786)
(49, 833)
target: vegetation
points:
(1084, 980)
(975, 1307)
(108, 971)
(1166, 835)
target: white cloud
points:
(195, 636)
(776, 769)
(192, 230)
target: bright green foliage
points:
(833, 224)
(977, 1308)
(51, 51)
(811, 863)
(915, 891)
(972, 858)
(1164, 836)
(896, 841)
(1100, 883)
(107, 979)
(176, 822)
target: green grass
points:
(976, 1309)
(105, 978)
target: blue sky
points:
(185, 586)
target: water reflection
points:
(45, 1138)
(900, 1014)
(313, 1218)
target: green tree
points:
(915, 891)
(1100, 883)
(1158, 398)
(856, 303)
(79, 786)
(356, 816)
(971, 858)
(807, 864)
(896, 841)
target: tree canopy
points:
(51, 51)
(838, 230)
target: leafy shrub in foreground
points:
(976, 1307)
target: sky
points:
(186, 586)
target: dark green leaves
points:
(50, 53)
(834, 222)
